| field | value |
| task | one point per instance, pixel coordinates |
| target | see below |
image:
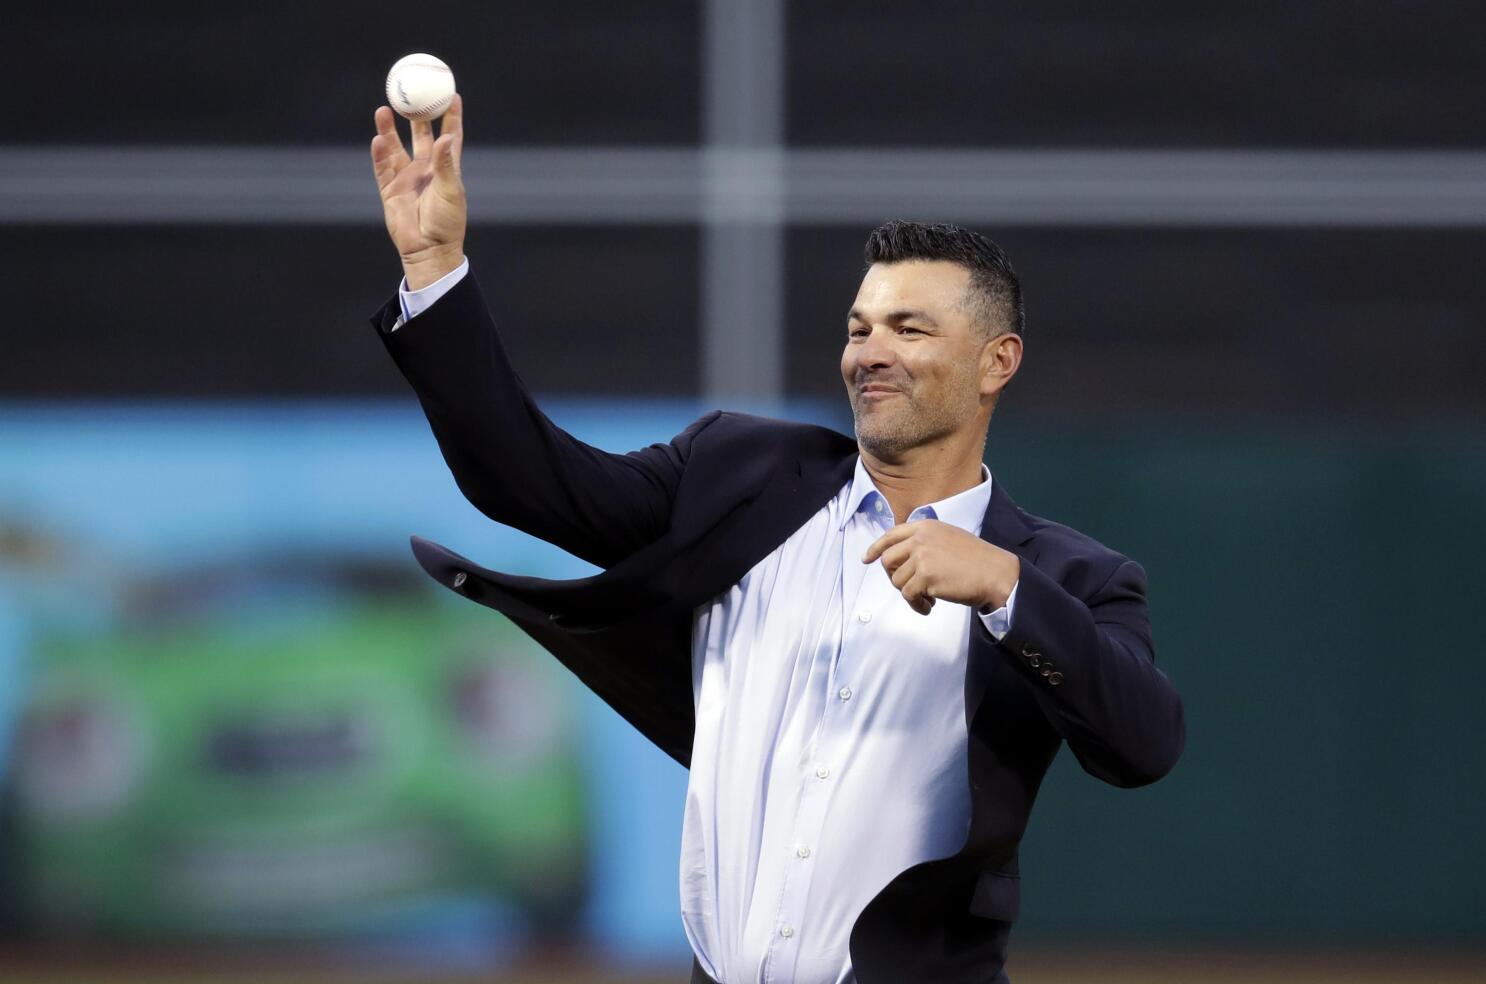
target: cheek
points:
(933, 376)
(919, 370)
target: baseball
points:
(420, 87)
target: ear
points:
(1000, 358)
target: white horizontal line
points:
(333, 186)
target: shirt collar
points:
(965, 509)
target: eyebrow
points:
(895, 316)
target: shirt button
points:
(864, 616)
(786, 931)
(846, 693)
(877, 505)
(803, 851)
(822, 772)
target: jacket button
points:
(1054, 678)
(1047, 669)
(555, 617)
(460, 578)
(1034, 660)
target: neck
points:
(926, 473)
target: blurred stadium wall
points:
(1249, 238)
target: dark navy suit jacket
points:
(675, 524)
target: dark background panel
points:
(270, 312)
(1151, 73)
(1312, 598)
(576, 72)
(1370, 325)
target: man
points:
(865, 652)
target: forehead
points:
(936, 287)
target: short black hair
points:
(996, 301)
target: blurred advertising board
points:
(232, 706)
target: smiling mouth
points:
(878, 392)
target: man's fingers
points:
(446, 172)
(387, 129)
(887, 539)
(916, 593)
(452, 126)
(383, 165)
(445, 167)
(904, 573)
(446, 149)
(388, 156)
(894, 556)
(901, 563)
(422, 139)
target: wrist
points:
(430, 265)
(1004, 575)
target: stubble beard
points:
(900, 423)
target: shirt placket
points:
(821, 770)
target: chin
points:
(882, 442)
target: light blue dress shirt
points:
(831, 744)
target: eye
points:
(910, 328)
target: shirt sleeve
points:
(998, 622)
(415, 302)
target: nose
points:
(876, 351)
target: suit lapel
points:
(1003, 524)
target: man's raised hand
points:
(423, 195)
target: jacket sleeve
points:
(509, 460)
(1092, 667)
